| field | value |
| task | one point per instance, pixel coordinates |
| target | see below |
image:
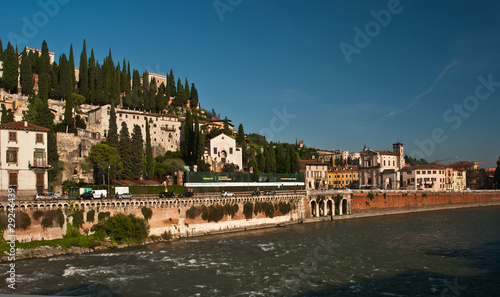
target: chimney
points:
(25, 123)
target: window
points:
(39, 158)
(230, 150)
(39, 138)
(434, 172)
(11, 156)
(215, 150)
(429, 172)
(13, 179)
(120, 115)
(13, 136)
(418, 172)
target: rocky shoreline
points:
(47, 251)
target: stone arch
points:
(314, 208)
(344, 207)
(330, 207)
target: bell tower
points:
(398, 148)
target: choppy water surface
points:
(438, 253)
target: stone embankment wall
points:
(361, 202)
(168, 215)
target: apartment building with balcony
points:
(23, 158)
(434, 177)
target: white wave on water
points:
(266, 246)
(71, 271)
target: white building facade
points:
(222, 150)
(381, 168)
(163, 129)
(23, 158)
(315, 174)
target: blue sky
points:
(278, 67)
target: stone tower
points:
(399, 149)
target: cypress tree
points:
(83, 75)
(171, 84)
(227, 130)
(10, 69)
(145, 90)
(196, 140)
(1, 49)
(112, 138)
(68, 111)
(186, 90)
(136, 90)
(100, 86)
(261, 161)
(149, 154)
(161, 100)
(26, 75)
(71, 60)
(125, 151)
(180, 95)
(124, 83)
(194, 96)
(66, 76)
(92, 78)
(43, 68)
(53, 76)
(240, 140)
(188, 138)
(151, 98)
(137, 152)
(282, 160)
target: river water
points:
(436, 253)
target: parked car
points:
(86, 195)
(124, 196)
(256, 193)
(43, 197)
(227, 194)
(167, 194)
(267, 192)
(186, 195)
(55, 196)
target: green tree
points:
(227, 130)
(150, 170)
(186, 90)
(240, 140)
(26, 75)
(171, 90)
(282, 160)
(496, 177)
(261, 161)
(193, 96)
(83, 75)
(188, 139)
(125, 152)
(71, 60)
(103, 156)
(66, 77)
(112, 138)
(92, 78)
(10, 69)
(137, 151)
(7, 115)
(43, 68)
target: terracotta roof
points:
(424, 166)
(137, 182)
(387, 153)
(23, 126)
(312, 162)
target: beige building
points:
(164, 129)
(381, 168)
(221, 150)
(23, 158)
(315, 174)
(435, 177)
